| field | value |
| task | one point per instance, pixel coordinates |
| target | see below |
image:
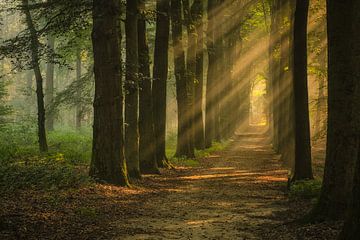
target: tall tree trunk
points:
(274, 71)
(303, 168)
(190, 72)
(35, 63)
(79, 108)
(147, 141)
(198, 11)
(351, 230)
(343, 109)
(49, 89)
(183, 147)
(211, 80)
(160, 75)
(108, 160)
(132, 90)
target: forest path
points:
(233, 194)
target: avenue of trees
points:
(129, 56)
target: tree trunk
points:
(79, 109)
(343, 110)
(211, 80)
(183, 148)
(49, 90)
(147, 141)
(38, 77)
(303, 168)
(108, 160)
(160, 75)
(131, 90)
(198, 11)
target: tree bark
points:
(160, 75)
(132, 90)
(198, 11)
(211, 80)
(303, 168)
(183, 148)
(147, 141)
(108, 160)
(343, 110)
(35, 63)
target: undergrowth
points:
(309, 189)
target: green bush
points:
(309, 189)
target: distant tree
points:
(160, 75)
(303, 167)
(147, 142)
(197, 12)
(108, 160)
(211, 81)
(132, 90)
(35, 65)
(49, 87)
(4, 108)
(343, 139)
(183, 148)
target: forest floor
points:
(237, 193)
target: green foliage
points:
(22, 167)
(305, 189)
(49, 172)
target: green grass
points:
(309, 189)
(23, 167)
(171, 149)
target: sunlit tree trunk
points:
(211, 80)
(190, 72)
(198, 11)
(302, 168)
(343, 110)
(274, 70)
(183, 148)
(132, 90)
(49, 87)
(108, 160)
(35, 64)
(160, 75)
(147, 141)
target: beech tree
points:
(342, 150)
(160, 75)
(108, 159)
(132, 90)
(303, 168)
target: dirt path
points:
(234, 194)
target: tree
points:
(35, 65)
(160, 75)
(147, 141)
(108, 160)
(49, 90)
(303, 168)
(343, 111)
(132, 90)
(211, 81)
(197, 12)
(183, 148)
